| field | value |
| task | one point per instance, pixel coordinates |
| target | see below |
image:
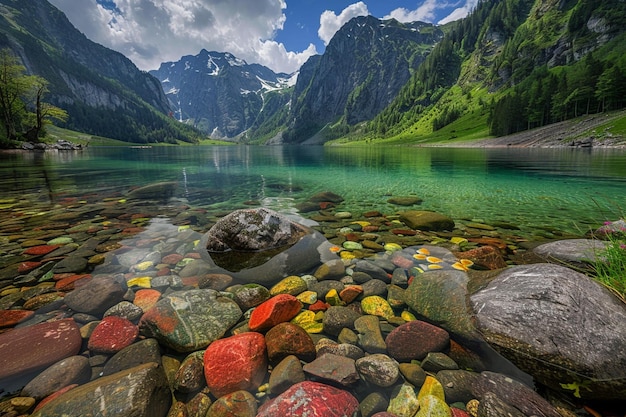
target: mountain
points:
(364, 66)
(217, 92)
(103, 91)
(513, 65)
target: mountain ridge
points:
(103, 92)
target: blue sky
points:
(280, 34)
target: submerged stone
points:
(189, 320)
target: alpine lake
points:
(515, 197)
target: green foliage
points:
(22, 108)
(552, 95)
(610, 269)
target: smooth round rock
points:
(235, 363)
(68, 371)
(312, 399)
(112, 334)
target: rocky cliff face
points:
(363, 68)
(217, 92)
(84, 77)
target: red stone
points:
(487, 257)
(352, 237)
(172, 259)
(54, 395)
(27, 266)
(415, 339)
(112, 334)
(311, 399)
(40, 250)
(9, 318)
(164, 272)
(30, 348)
(457, 412)
(404, 232)
(146, 298)
(278, 309)
(235, 363)
(69, 283)
(401, 262)
(191, 281)
(491, 241)
(370, 229)
(350, 293)
(319, 305)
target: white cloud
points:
(150, 32)
(460, 12)
(430, 10)
(330, 23)
(424, 13)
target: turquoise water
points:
(567, 190)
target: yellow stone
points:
(423, 251)
(332, 298)
(346, 255)
(308, 321)
(305, 316)
(143, 282)
(8, 291)
(377, 306)
(435, 266)
(431, 387)
(408, 316)
(144, 266)
(434, 259)
(362, 223)
(97, 259)
(183, 227)
(307, 297)
(292, 285)
(313, 327)
(392, 247)
(458, 240)
(431, 406)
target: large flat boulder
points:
(141, 391)
(560, 326)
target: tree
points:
(13, 85)
(22, 108)
(44, 112)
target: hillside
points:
(103, 91)
(513, 65)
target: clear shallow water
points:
(567, 190)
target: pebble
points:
(36, 347)
(278, 309)
(68, 371)
(162, 264)
(189, 320)
(288, 339)
(312, 399)
(235, 363)
(112, 334)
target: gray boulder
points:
(262, 246)
(572, 250)
(560, 326)
(141, 391)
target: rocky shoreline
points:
(130, 309)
